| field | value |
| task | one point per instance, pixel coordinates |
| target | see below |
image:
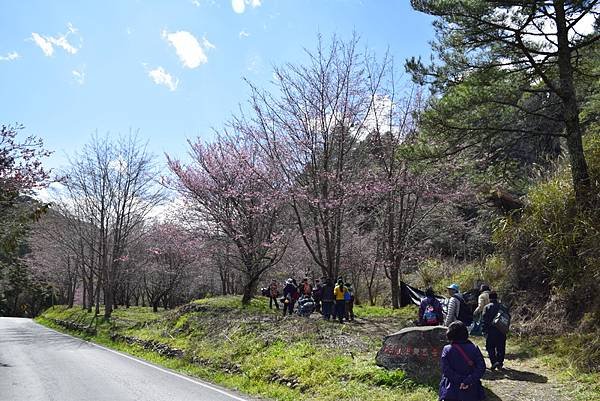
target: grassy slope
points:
(256, 351)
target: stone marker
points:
(416, 350)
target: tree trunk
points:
(568, 95)
(394, 279)
(85, 289)
(97, 299)
(249, 290)
(108, 302)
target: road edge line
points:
(143, 362)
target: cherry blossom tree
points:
(233, 193)
(169, 257)
(21, 172)
(308, 128)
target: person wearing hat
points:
(289, 296)
(454, 304)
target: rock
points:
(416, 350)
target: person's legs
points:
(340, 310)
(327, 310)
(490, 346)
(351, 309)
(501, 350)
(286, 307)
(271, 302)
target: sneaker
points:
(495, 365)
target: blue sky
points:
(170, 69)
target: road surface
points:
(39, 364)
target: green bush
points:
(438, 274)
(552, 246)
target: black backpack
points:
(501, 320)
(465, 313)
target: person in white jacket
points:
(453, 304)
(483, 300)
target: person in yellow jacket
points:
(339, 293)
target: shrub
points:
(552, 247)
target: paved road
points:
(39, 364)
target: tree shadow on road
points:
(516, 375)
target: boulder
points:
(416, 350)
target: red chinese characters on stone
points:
(408, 351)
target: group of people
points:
(330, 300)
(462, 362)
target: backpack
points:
(429, 316)
(465, 314)
(502, 320)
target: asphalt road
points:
(39, 364)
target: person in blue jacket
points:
(462, 367)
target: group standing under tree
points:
(331, 301)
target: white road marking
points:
(150, 365)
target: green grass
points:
(254, 350)
(575, 358)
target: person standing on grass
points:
(290, 295)
(306, 288)
(495, 340)
(317, 295)
(462, 367)
(340, 300)
(273, 294)
(349, 298)
(327, 298)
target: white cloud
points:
(50, 193)
(196, 3)
(43, 44)
(584, 26)
(187, 47)
(239, 6)
(254, 64)
(243, 34)
(10, 56)
(207, 45)
(47, 43)
(162, 77)
(79, 75)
